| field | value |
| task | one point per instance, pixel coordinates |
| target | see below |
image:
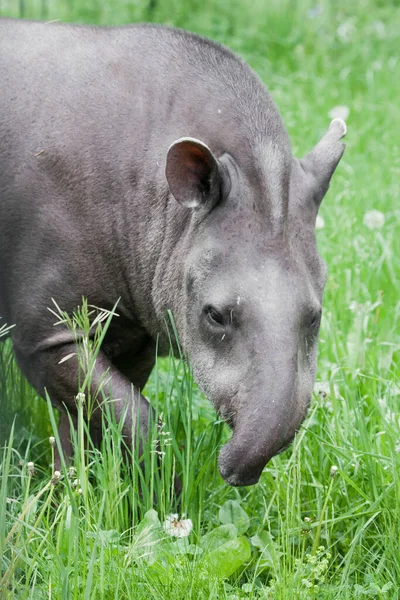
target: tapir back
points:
(86, 117)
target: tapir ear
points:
(193, 173)
(322, 161)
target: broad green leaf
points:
(183, 546)
(148, 537)
(106, 537)
(218, 536)
(226, 559)
(151, 518)
(232, 512)
(267, 546)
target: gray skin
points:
(151, 165)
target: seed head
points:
(52, 441)
(56, 477)
(176, 527)
(31, 469)
(374, 219)
(80, 398)
(333, 471)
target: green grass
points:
(300, 533)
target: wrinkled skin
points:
(101, 196)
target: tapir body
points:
(150, 165)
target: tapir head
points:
(254, 284)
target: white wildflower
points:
(341, 111)
(176, 527)
(345, 31)
(52, 440)
(333, 471)
(31, 469)
(319, 223)
(80, 398)
(374, 219)
(56, 477)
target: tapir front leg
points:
(49, 369)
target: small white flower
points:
(339, 112)
(345, 31)
(80, 398)
(56, 477)
(52, 441)
(374, 219)
(31, 469)
(333, 471)
(176, 527)
(319, 223)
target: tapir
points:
(148, 165)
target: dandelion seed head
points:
(345, 31)
(52, 441)
(31, 468)
(176, 527)
(333, 471)
(374, 219)
(56, 477)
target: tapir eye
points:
(314, 320)
(214, 317)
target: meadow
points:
(324, 520)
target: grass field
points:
(324, 521)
